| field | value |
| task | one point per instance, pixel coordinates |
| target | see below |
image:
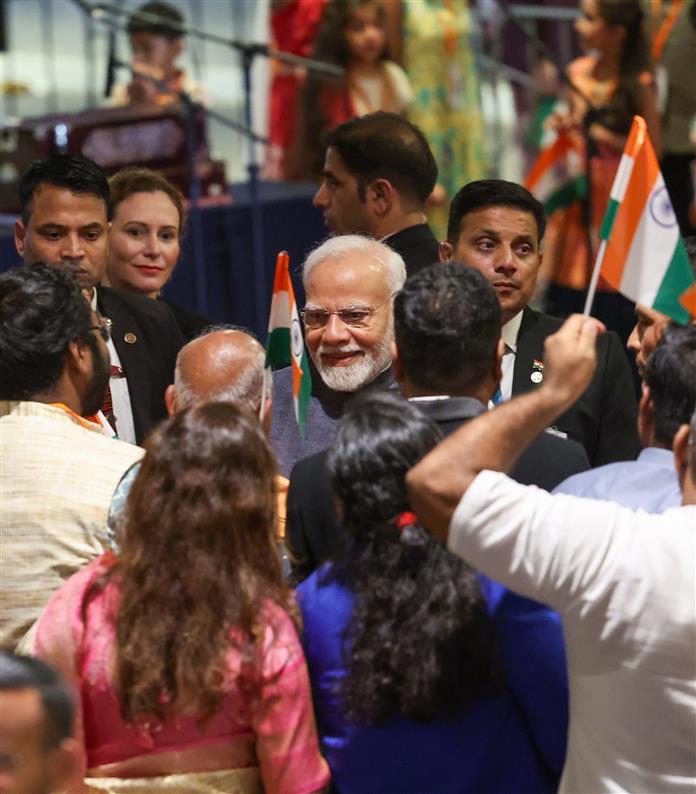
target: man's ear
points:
(445, 251)
(79, 357)
(397, 369)
(380, 196)
(19, 234)
(267, 420)
(680, 448)
(646, 416)
(170, 399)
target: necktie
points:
(497, 397)
(107, 407)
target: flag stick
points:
(595, 278)
(266, 391)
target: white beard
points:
(360, 373)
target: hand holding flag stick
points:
(285, 343)
(641, 253)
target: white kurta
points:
(624, 583)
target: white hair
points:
(245, 389)
(344, 245)
(353, 377)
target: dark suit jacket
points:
(604, 419)
(417, 246)
(313, 531)
(190, 324)
(147, 361)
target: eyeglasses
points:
(353, 316)
(104, 328)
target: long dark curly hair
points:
(197, 559)
(420, 643)
(330, 46)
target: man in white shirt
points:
(497, 227)
(624, 582)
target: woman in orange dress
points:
(615, 83)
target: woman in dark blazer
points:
(147, 222)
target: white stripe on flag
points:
(623, 174)
(280, 311)
(653, 242)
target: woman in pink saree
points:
(183, 649)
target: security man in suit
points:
(497, 227)
(65, 219)
(447, 359)
(378, 173)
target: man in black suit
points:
(497, 227)
(447, 359)
(378, 173)
(65, 211)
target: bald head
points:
(223, 365)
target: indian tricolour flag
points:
(285, 344)
(641, 253)
(557, 178)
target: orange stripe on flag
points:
(688, 300)
(645, 172)
(636, 137)
(280, 283)
(548, 158)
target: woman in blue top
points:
(423, 685)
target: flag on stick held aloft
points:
(641, 253)
(557, 179)
(285, 344)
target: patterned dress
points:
(441, 68)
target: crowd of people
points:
(421, 59)
(475, 569)
(415, 595)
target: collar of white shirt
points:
(510, 332)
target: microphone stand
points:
(247, 51)
(111, 64)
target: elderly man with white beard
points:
(350, 282)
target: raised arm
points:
(495, 439)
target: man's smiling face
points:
(348, 357)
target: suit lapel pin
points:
(537, 371)
(130, 338)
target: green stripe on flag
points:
(609, 218)
(278, 348)
(677, 279)
(567, 194)
(304, 395)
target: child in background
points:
(352, 36)
(156, 46)
(616, 83)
